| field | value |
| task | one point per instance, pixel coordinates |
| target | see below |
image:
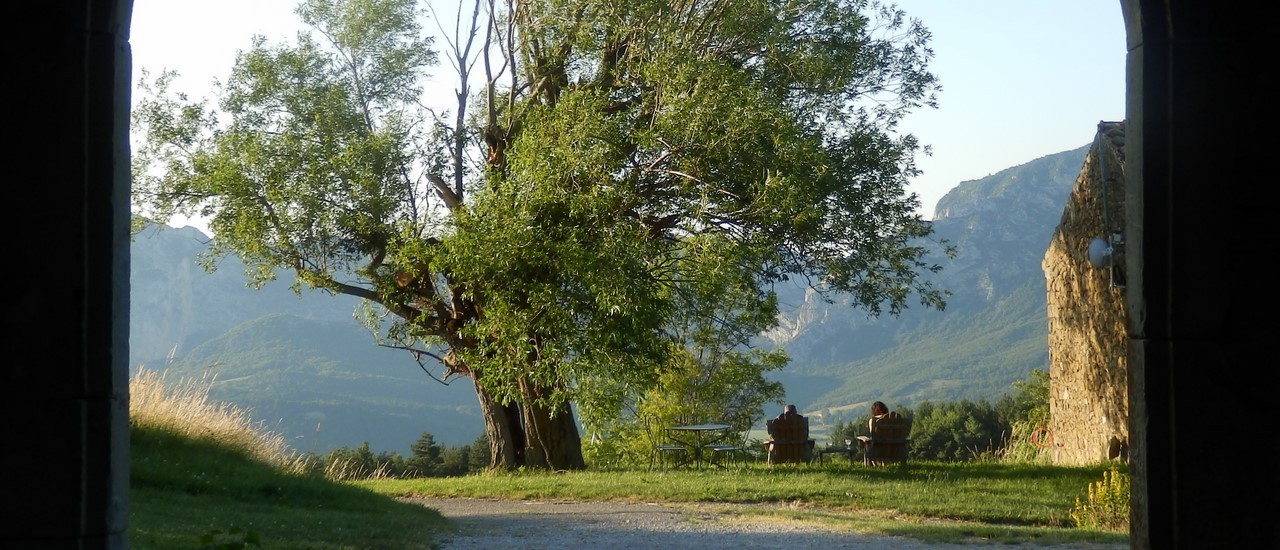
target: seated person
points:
(792, 429)
(888, 441)
(878, 410)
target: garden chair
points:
(729, 452)
(789, 441)
(889, 441)
(668, 453)
(667, 450)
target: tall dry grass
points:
(183, 407)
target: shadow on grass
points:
(182, 489)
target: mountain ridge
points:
(1001, 226)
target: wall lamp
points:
(1102, 251)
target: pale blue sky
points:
(1021, 78)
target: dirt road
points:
(557, 525)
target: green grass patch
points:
(204, 475)
(953, 502)
(182, 489)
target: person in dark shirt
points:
(878, 411)
(788, 414)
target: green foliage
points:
(455, 461)
(429, 459)
(1107, 504)
(638, 149)
(1025, 412)
(479, 456)
(710, 374)
(1029, 402)
(425, 459)
(729, 390)
(464, 459)
(956, 431)
(346, 463)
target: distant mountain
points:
(325, 384)
(993, 331)
(301, 363)
(305, 367)
(176, 305)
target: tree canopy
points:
(552, 228)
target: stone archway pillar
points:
(1199, 114)
(66, 328)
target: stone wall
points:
(1088, 371)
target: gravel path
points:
(558, 525)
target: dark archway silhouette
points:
(1196, 239)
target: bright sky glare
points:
(1021, 79)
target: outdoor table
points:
(702, 434)
(847, 451)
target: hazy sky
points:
(1021, 79)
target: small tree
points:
(956, 431)
(391, 464)
(455, 461)
(478, 458)
(424, 459)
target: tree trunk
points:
(523, 434)
(554, 442)
(506, 434)
(552, 433)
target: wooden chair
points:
(789, 441)
(889, 442)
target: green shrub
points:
(1026, 412)
(1107, 505)
(956, 431)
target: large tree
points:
(620, 150)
